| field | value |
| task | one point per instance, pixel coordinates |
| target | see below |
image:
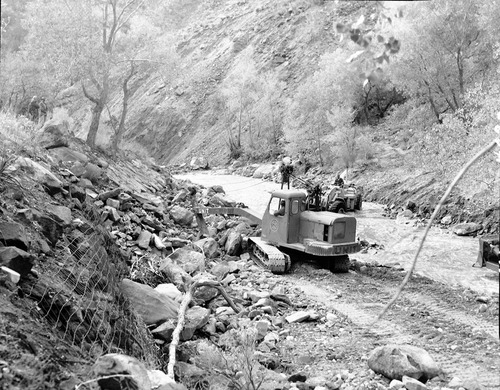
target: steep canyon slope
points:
(174, 113)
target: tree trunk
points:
(94, 124)
(121, 127)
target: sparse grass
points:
(16, 134)
(233, 364)
(16, 130)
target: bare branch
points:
(88, 96)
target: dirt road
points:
(445, 257)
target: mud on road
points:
(458, 332)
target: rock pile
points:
(153, 226)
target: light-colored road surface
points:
(445, 257)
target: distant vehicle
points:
(326, 236)
(337, 198)
(340, 199)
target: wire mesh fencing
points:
(79, 294)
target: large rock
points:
(93, 173)
(60, 214)
(66, 154)
(181, 215)
(51, 229)
(16, 259)
(169, 290)
(466, 229)
(53, 135)
(40, 174)
(220, 270)
(161, 381)
(152, 306)
(191, 261)
(395, 361)
(12, 233)
(264, 170)
(196, 318)
(175, 273)
(209, 246)
(114, 364)
(198, 163)
(144, 239)
(233, 243)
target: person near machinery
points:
(286, 170)
(338, 181)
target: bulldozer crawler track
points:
(268, 256)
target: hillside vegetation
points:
(394, 91)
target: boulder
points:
(220, 270)
(37, 171)
(218, 189)
(169, 290)
(50, 185)
(205, 294)
(51, 229)
(67, 154)
(92, 172)
(16, 259)
(298, 316)
(209, 246)
(264, 170)
(175, 273)
(413, 384)
(152, 306)
(78, 192)
(53, 135)
(144, 239)
(180, 196)
(13, 234)
(196, 318)
(466, 229)
(161, 381)
(233, 243)
(114, 364)
(181, 215)
(191, 261)
(60, 214)
(446, 220)
(395, 361)
(198, 163)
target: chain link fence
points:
(79, 294)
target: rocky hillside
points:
(174, 115)
(175, 118)
(98, 258)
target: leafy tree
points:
(333, 86)
(12, 33)
(444, 53)
(240, 93)
(88, 42)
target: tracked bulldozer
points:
(289, 228)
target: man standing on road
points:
(286, 169)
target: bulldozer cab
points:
(281, 221)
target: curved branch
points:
(88, 96)
(429, 224)
(182, 314)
